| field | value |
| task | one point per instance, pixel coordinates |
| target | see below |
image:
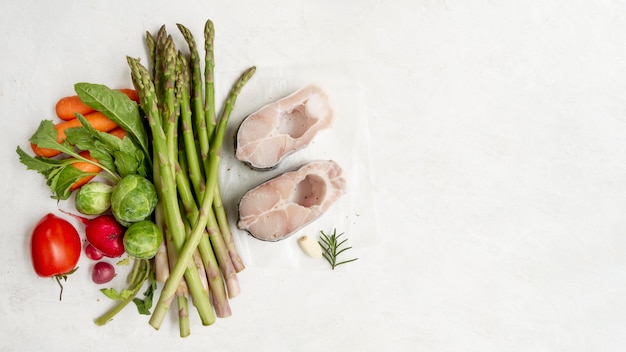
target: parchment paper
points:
(346, 142)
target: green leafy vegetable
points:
(121, 155)
(118, 107)
(138, 276)
(133, 200)
(94, 198)
(59, 175)
(46, 137)
(117, 157)
(117, 296)
(185, 172)
(143, 306)
(142, 239)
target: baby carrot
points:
(66, 107)
(85, 167)
(118, 132)
(96, 119)
(131, 93)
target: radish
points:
(104, 233)
(102, 272)
(92, 253)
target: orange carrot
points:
(118, 132)
(85, 167)
(96, 119)
(131, 93)
(66, 107)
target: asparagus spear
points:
(157, 69)
(185, 254)
(191, 153)
(161, 263)
(209, 77)
(166, 70)
(188, 164)
(167, 97)
(151, 44)
(167, 193)
(206, 129)
(209, 262)
(200, 242)
(222, 220)
(196, 92)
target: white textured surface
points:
(497, 137)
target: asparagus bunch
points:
(179, 104)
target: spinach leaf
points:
(84, 139)
(121, 155)
(116, 106)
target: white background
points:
(497, 137)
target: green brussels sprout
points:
(133, 199)
(142, 239)
(93, 198)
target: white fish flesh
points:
(266, 136)
(279, 207)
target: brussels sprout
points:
(142, 239)
(93, 198)
(133, 199)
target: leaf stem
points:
(143, 267)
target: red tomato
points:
(55, 247)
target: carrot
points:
(131, 93)
(96, 119)
(118, 132)
(66, 107)
(85, 167)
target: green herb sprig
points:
(331, 248)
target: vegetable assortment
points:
(144, 164)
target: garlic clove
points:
(310, 247)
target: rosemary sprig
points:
(330, 246)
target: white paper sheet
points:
(346, 142)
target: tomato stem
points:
(58, 278)
(64, 277)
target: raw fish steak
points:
(279, 207)
(266, 136)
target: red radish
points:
(92, 253)
(102, 272)
(104, 233)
